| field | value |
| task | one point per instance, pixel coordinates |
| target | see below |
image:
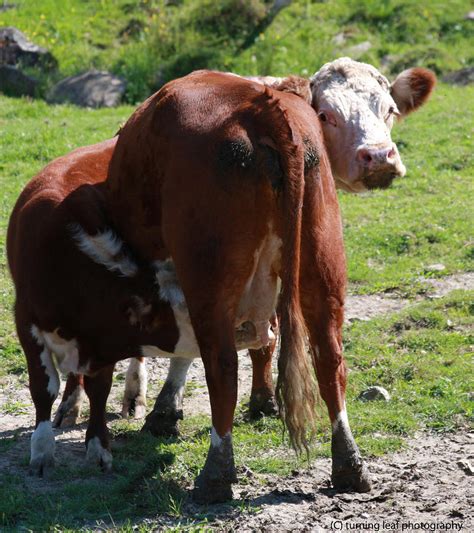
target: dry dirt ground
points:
(427, 487)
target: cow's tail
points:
(296, 386)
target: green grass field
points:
(392, 237)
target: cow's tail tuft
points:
(296, 386)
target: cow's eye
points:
(323, 117)
(391, 110)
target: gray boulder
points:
(374, 393)
(14, 82)
(16, 49)
(465, 76)
(94, 88)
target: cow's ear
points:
(412, 88)
(295, 85)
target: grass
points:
(420, 356)
(149, 42)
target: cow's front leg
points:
(168, 408)
(97, 438)
(214, 483)
(348, 469)
(44, 388)
(69, 409)
(134, 397)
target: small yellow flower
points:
(42, 17)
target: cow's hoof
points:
(163, 424)
(351, 478)
(98, 455)
(42, 465)
(133, 408)
(262, 404)
(210, 491)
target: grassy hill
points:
(149, 42)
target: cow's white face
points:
(357, 107)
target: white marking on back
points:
(105, 248)
(42, 443)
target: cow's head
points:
(357, 106)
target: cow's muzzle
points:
(379, 165)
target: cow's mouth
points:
(379, 181)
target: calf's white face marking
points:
(105, 248)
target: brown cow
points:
(217, 187)
(356, 105)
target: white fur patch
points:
(105, 248)
(177, 374)
(216, 441)
(42, 444)
(171, 292)
(97, 454)
(66, 352)
(135, 388)
(50, 369)
(342, 421)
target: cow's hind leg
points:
(262, 397)
(134, 398)
(348, 469)
(168, 409)
(97, 438)
(69, 409)
(44, 388)
(216, 340)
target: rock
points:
(466, 467)
(374, 393)
(6, 7)
(16, 49)
(93, 88)
(339, 38)
(465, 76)
(436, 267)
(14, 82)
(358, 50)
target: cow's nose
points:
(373, 157)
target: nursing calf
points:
(218, 188)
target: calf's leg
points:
(97, 438)
(44, 388)
(134, 398)
(262, 396)
(69, 409)
(168, 408)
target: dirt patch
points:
(424, 484)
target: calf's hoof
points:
(64, 419)
(42, 465)
(262, 404)
(351, 477)
(133, 408)
(163, 424)
(98, 455)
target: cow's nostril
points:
(391, 154)
(367, 157)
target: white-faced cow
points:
(356, 106)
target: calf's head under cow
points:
(357, 106)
